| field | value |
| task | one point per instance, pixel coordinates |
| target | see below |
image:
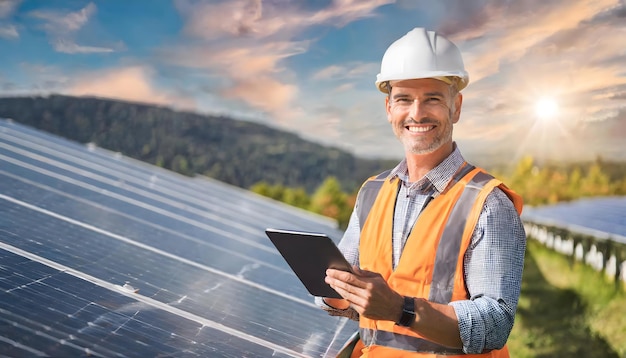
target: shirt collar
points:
(438, 177)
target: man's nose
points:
(415, 108)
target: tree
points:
(595, 182)
(297, 197)
(330, 201)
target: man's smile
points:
(419, 129)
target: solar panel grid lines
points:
(109, 316)
(145, 247)
(144, 223)
(119, 167)
(137, 297)
(187, 310)
(254, 201)
(124, 163)
(139, 205)
(85, 249)
(123, 193)
(262, 241)
(147, 231)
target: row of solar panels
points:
(603, 217)
(102, 255)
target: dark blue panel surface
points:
(84, 319)
(78, 224)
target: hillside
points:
(236, 152)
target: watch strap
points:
(408, 312)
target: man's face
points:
(422, 113)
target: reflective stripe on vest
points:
(407, 343)
(445, 266)
(450, 243)
(367, 195)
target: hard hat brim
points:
(459, 81)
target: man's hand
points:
(367, 292)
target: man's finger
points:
(344, 276)
(339, 274)
(352, 297)
(343, 285)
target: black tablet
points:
(309, 255)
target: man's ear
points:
(388, 108)
(458, 102)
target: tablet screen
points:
(309, 255)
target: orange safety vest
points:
(431, 265)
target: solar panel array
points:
(603, 217)
(102, 255)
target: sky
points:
(547, 77)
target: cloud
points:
(244, 44)
(56, 22)
(350, 70)
(63, 27)
(234, 18)
(511, 28)
(517, 52)
(65, 46)
(7, 7)
(343, 12)
(618, 95)
(577, 62)
(233, 60)
(8, 32)
(259, 19)
(250, 74)
(133, 83)
(263, 93)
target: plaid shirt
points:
(493, 262)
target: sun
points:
(546, 108)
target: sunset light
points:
(546, 108)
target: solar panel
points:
(603, 217)
(107, 256)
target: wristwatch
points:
(408, 312)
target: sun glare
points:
(546, 108)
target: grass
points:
(567, 309)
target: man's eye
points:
(433, 99)
(403, 100)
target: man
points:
(438, 250)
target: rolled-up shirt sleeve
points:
(493, 274)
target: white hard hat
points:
(422, 54)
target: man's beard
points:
(417, 147)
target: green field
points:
(567, 310)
